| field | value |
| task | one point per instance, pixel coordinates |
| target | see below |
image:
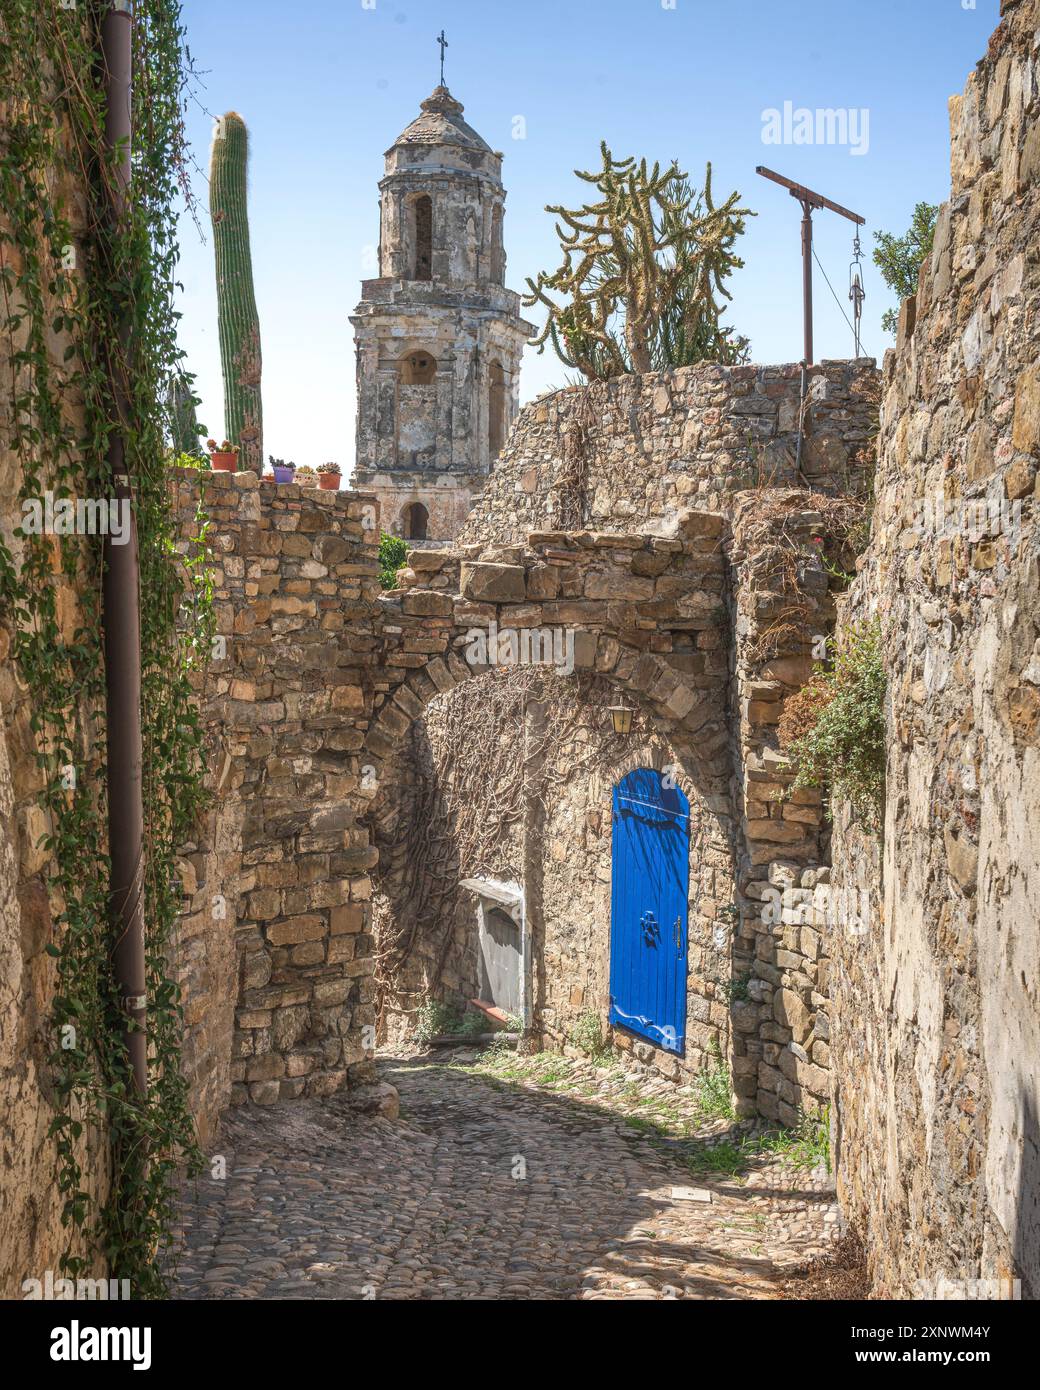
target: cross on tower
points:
(444, 44)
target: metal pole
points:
(120, 599)
(807, 343)
(809, 199)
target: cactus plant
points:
(641, 268)
(184, 424)
(238, 322)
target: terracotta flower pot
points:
(284, 475)
(223, 462)
(329, 481)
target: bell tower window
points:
(498, 255)
(418, 369)
(422, 238)
(416, 522)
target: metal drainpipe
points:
(121, 613)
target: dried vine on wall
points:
(85, 301)
(462, 782)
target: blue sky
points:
(326, 86)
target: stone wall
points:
(32, 1238)
(279, 881)
(787, 553)
(936, 1011)
(317, 688)
(632, 452)
(756, 984)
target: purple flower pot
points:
(284, 475)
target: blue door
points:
(650, 873)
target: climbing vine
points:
(86, 300)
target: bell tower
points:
(438, 336)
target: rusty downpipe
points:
(120, 598)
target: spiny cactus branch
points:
(640, 271)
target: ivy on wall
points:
(84, 301)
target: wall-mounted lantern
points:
(621, 716)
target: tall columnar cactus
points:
(237, 318)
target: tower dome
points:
(441, 123)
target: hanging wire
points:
(856, 291)
(836, 299)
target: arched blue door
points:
(650, 877)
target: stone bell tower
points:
(438, 336)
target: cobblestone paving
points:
(485, 1189)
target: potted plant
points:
(223, 458)
(329, 476)
(306, 476)
(267, 477)
(283, 472)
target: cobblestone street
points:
(537, 1185)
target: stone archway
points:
(321, 675)
(645, 611)
(642, 616)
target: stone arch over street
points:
(634, 620)
(643, 611)
(325, 674)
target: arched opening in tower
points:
(496, 410)
(416, 522)
(418, 369)
(422, 212)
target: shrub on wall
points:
(834, 727)
(393, 552)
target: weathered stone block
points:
(492, 583)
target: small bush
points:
(712, 1087)
(834, 728)
(732, 991)
(588, 1035)
(472, 1023)
(434, 1017)
(393, 552)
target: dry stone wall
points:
(786, 550)
(759, 957)
(279, 884)
(632, 452)
(937, 1020)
